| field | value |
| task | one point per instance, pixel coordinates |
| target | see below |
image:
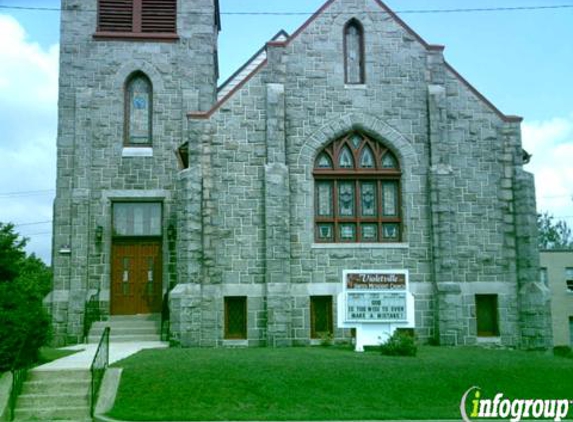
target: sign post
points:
(375, 303)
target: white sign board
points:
(376, 307)
(375, 303)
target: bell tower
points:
(130, 71)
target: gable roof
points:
(250, 65)
(258, 61)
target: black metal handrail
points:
(91, 313)
(165, 318)
(19, 372)
(98, 367)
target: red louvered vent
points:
(115, 15)
(158, 16)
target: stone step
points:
(138, 317)
(59, 400)
(126, 338)
(152, 328)
(63, 386)
(52, 413)
(56, 376)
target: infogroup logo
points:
(516, 409)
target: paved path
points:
(83, 359)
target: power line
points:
(255, 13)
(37, 234)
(26, 193)
(32, 224)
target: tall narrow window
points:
(357, 192)
(138, 109)
(354, 52)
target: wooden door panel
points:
(136, 282)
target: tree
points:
(553, 235)
(24, 281)
(11, 252)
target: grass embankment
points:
(49, 354)
(327, 383)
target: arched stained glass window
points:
(138, 110)
(345, 159)
(367, 158)
(354, 52)
(323, 161)
(357, 198)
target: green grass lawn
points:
(327, 383)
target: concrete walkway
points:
(83, 359)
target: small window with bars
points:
(235, 317)
(321, 317)
(137, 18)
(569, 279)
(543, 276)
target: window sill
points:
(355, 86)
(488, 340)
(235, 343)
(137, 152)
(136, 36)
(396, 245)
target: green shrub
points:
(401, 343)
(563, 351)
(24, 281)
(24, 325)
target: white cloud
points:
(551, 143)
(28, 118)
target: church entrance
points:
(136, 258)
(136, 281)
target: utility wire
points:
(32, 224)
(254, 13)
(25, 193)
(36, 234)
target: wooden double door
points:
(136, 277)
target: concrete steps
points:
(55, 396)
(128, 328)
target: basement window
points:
(321, 317)
(137, 19)
(487, 316)
(235, 317)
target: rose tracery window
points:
(357, 192)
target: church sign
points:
(376, 296)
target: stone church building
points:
(350, 144)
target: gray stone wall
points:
(458, 177)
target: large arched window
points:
(138, 110)
(353, 52)
(357, 192)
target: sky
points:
(521, 60)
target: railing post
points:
(97, 369)
(18, 377)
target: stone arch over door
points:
(302, 204)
